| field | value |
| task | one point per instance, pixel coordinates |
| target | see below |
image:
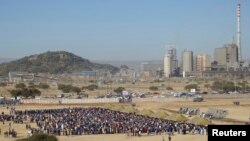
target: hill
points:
(5, 60)
(55, 63)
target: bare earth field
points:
(237, 115)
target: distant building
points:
(16, 77)
(151, 69)
(194, 64)
(170, 62)
(150, 66)
(167, 65)
(126, 75)
(203, 62)
(88, 73)
(173, 59)
(3, 79)
(230, 74)
(227, 56)
(187, 62)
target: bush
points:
(20, 86)
(119, 90)
(43, 86)
(207, 86)
(75, 90)
(191, 86)
(40, 137)
(3, 84)
(32, 85)
(153, 88)
(65, 88)
(25, 92)
(157, 81)
(92, 81)
(91, 87)
(224, 86)
(68, 88)
(169, 88)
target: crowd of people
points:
(80, 121)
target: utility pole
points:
(234, 83)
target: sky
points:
(120, 29)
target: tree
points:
(92, 81)
(16, 92)
(35, 92)
(207, 86)
(90, 87)
(40, 137)
(20, 85)
(43, 86)
(153, 88)
(224, 86)
(157, 81)
(25, 92)
(191, 86)
(3, 84)
(217, 85)
(169, 88)
(68, 88)
(243, 85)
(76, 90)
(119, 90)
(230, 86)
(31, 85)
(65, 88)
(61, 86)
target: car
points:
(142, 95)
(83, 95)
(204, 92)
(198, 99)
(183, 94)
(100, 96)
(60, 96)
(214, 92)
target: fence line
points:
(227, 96)
(165, 99)
(92, 100)
(116, 100)
(69, 101)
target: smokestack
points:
(238, 33)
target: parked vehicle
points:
(198, 99)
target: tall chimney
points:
(238, 33)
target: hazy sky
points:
(119, 29)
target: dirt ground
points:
(237, 115)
